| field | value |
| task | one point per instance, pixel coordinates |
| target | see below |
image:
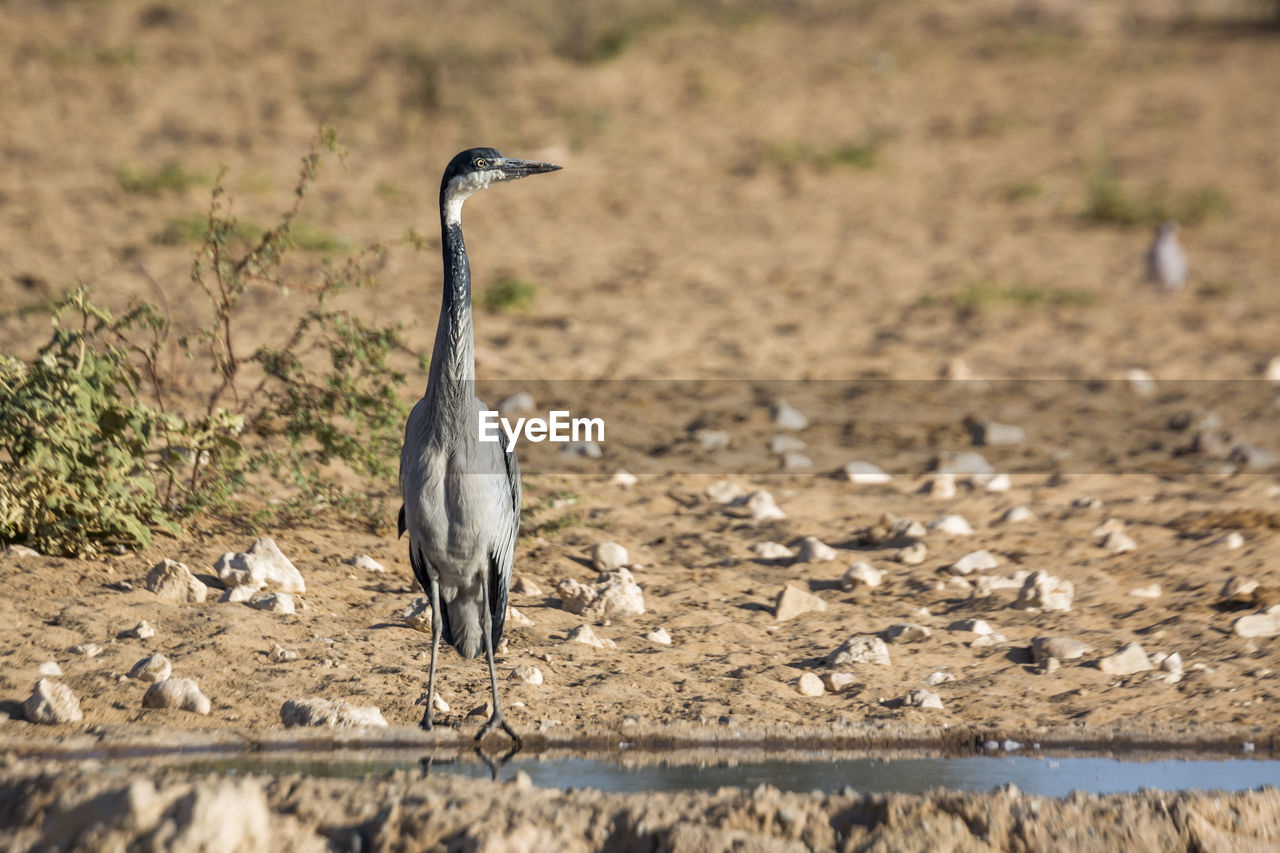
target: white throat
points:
(461, 188)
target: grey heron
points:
(461, 495)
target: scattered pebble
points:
(262, 566)
(861, 573)
(21, 551)
(173, 581)
(1152, 591)
(615, 595)
(781, 444)
(279, 654)
(316, 711)
(937, 677)
(892, 530)
(585, 449)
(144, 630)
(793, 601)
(952, 525)
(583, 634)
(1017, 515)
(975, 561)
(659, 636)
(988, 584)
(367, 563)
(1172, 670)
(810, 685)
(906, 632)
(866, 474)
(1118, 542)
(712, 439)
(152, 668)
(1232, 540)
(89, 650)
(785, 416)
(1043, 591)
(941, 487)
(1128, 660)
(921, 698)
(1062, 648)
(995, 434)
(521, 401)
(624, 479)
(773, 551)
(418, 615)
(1049, 666)
(998, 483)
(177, 693)
(912, 555)
(760, 506)
(237, 594)
(725, 492)
(1240, 590)
(608, 556)
(528, 674)
(964, 464)
(796, 462)
(516, 619)
(984, 641)
(813, 550)
(1272, 371)
(52, 703)
(1086, 502)
(861, 648)
(438, 704)
(274, 602)
(1265, 624)
(525, 586)
(838, 682)
(49, 669)
(1140, 382)
(974, 626)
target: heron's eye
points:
(480, 163)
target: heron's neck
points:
(453, 361)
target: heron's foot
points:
(425, 725)
(496, 721)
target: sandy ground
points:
(682, 241)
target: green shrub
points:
(509, 294)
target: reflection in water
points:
(1048, 776)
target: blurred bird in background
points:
(1166, 262)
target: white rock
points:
(781, 444)
(796, 462)
(1140, 382)
(988, 584)
(860, 649)
(1239, 589)
(49, 669)
(528, 674)
(1062, 648)
(516, 619)
(52, 703)
(615, 595)
(367, 563)
(773, 551)
(986, 640)
(837, 682)
(608, 556)
(1118, 542)
(438, 704)
(952, 525)
(861, 573)
(941, 487)
(21, 551)
(584, 635)
(957, 370)
(524, 585)
(1128, 660)
(787, 417)
(1171, 666)
(418, 615)
(181, 694)
(1232, 540)
(906, 632)
(998, 483)
(274, 602)
(237, 594)
(713, 439)
(926, 699)
(975, 626)
(813, 550)
(1043, 591)
(585, 449)
(624, 479)
(995, 434)
(521, 401)
(316, 711)
(1272, 370)
(1017, 515)
(144, 630)
(279, 654)
(810, 685)
(659, 636)
(761, 506)
(89, 650)
(912, 555)
(892, 530)
(725, 492)
(975, 561)
(793, 601)
(937, 677)
(262, 566)
(1152, 591)
(173, 581)
(1261, 625)
(965, 464)
(152, 668)
(866, 474)
(1166, 261)
(1086, 502)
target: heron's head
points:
(476, 168)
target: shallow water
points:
(1048, 776)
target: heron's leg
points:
(433, 592)
(496, 719)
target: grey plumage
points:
(1166, 262)
(461, 495)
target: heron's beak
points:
(513, 169)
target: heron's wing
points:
(503, 552)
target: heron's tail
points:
(464, 627)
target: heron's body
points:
(461, 496)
